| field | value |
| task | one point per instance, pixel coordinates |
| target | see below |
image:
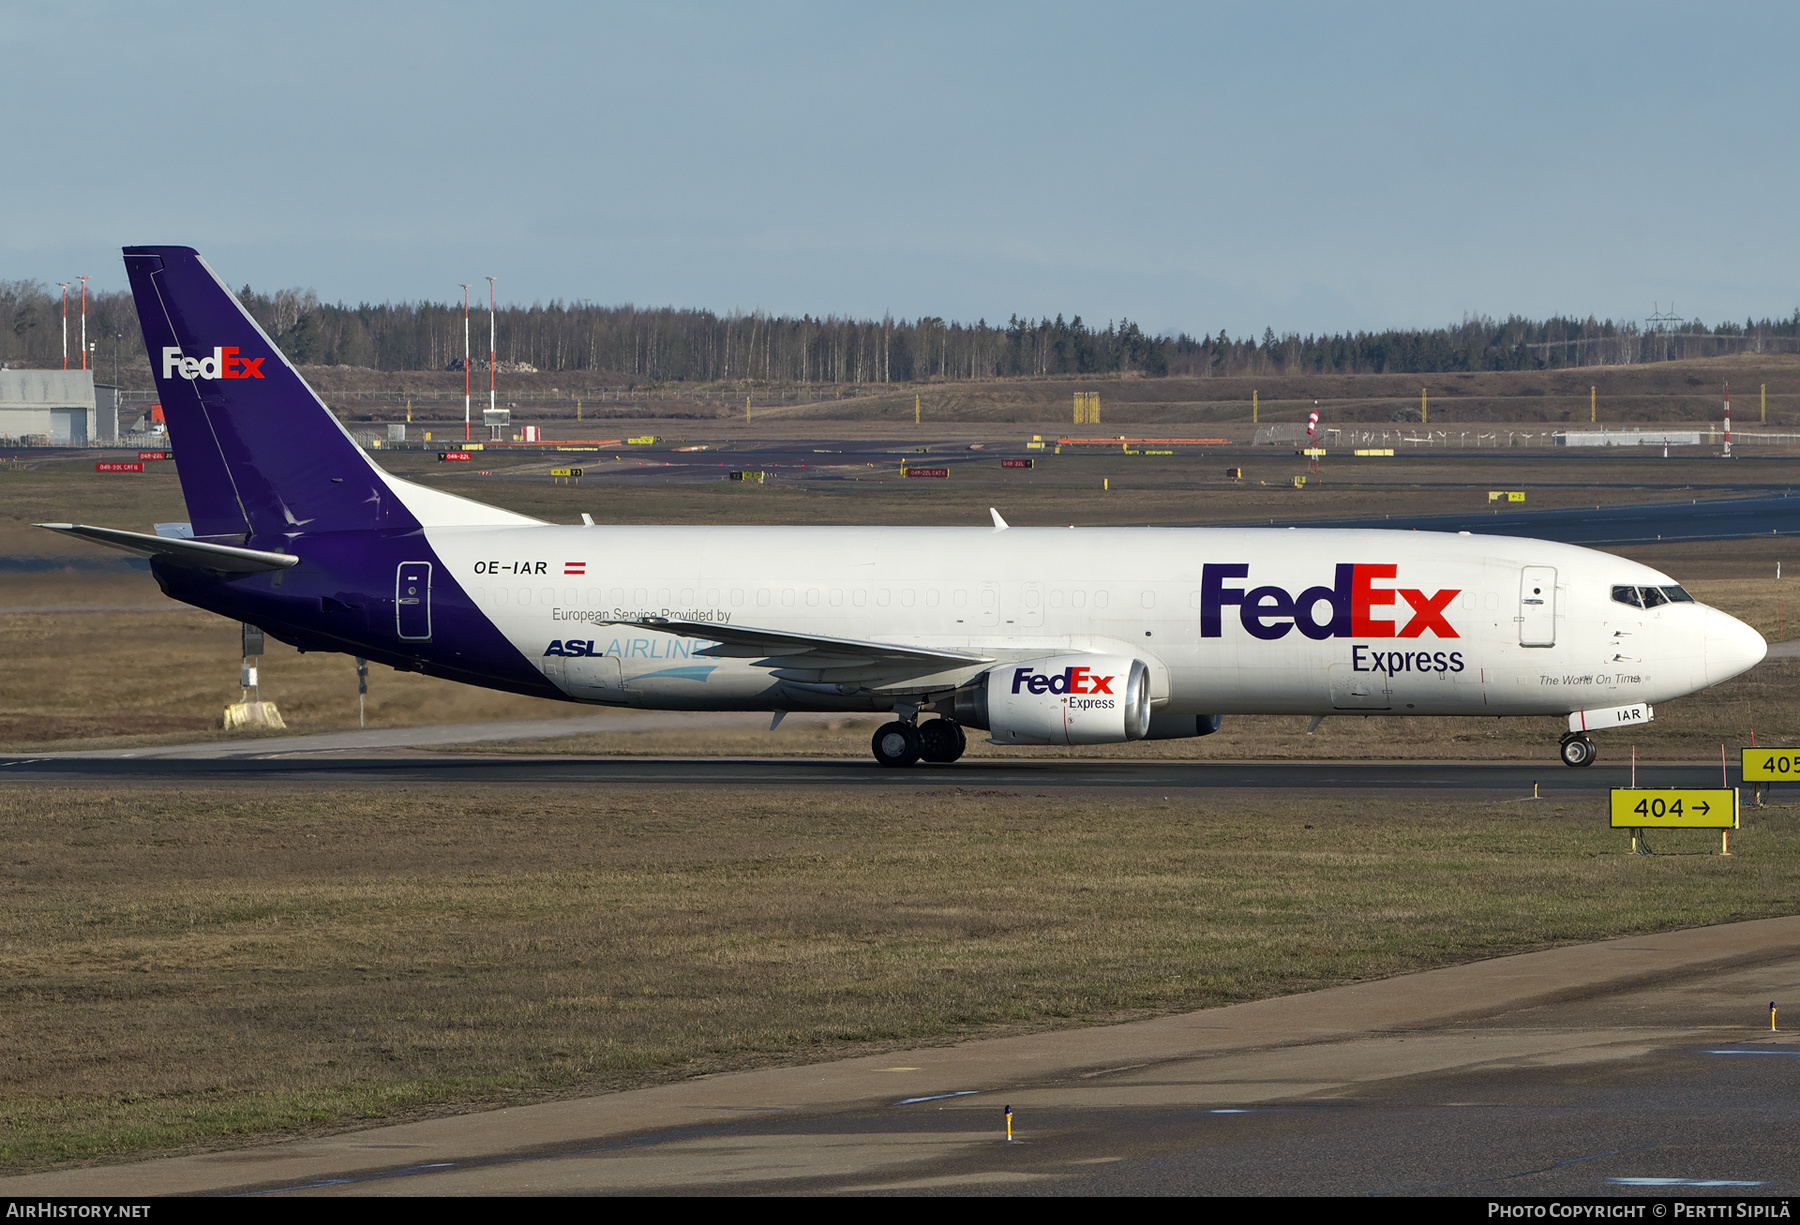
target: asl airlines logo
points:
(223, 364)
(1350, 607)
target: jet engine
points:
(1062, 699)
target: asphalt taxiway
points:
(1467, 780)
(1640, 1066)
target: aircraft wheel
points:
(941, 741)
(896, 744)
(1578, 751)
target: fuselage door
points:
(1354, 690)
(1537, 607)
(989, 598)
(412, 600)
(1031, 605)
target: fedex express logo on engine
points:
(1073, 681)
(1351, 607)
(223, 364)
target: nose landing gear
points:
(901, 743)
(1578, 750)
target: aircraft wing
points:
(817, 659)
(197, 554)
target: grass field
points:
(1656, 391)
(200, 966)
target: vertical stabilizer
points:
(258, 452)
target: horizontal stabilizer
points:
(197, 554)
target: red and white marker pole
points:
(1727, 454)
(465, 290)
(64, 286)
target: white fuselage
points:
(1531, 627)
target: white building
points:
(56, 407)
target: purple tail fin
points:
(259, 453)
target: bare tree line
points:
(668, 344)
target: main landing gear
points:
(1578, 750)
(901, 743)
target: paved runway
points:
(1467, 780)
(1637, 1066)
(1637, 523)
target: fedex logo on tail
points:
(1351, 607)
(223, 364)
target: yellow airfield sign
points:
(1771, 765)
(1674, 808)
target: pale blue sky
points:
(1311, 167)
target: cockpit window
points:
(1650, 597)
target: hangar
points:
(56, 408)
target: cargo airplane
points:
(1035, 636)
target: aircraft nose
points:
(1731, 647)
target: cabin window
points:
(737, 597)
(960, 599)
(1677, 595)
(1056, 598)
(687, 595)
(812, 597)
(524, 595)
(500, 596)
(572, 598)
(837, 597)
(712, 595)
(640, 596)
(594, 597)
(762, 597)
(546, 596)
(1149, 599)
(1100, 599)
(1653, 597)
(663, 596)
(859, 597)
(787, 597)
(931, 598)
(907, 598)
(883, 598)
(1078, 599)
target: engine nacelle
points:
(1068, 699)
(1182, 727)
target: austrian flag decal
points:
(574, 567)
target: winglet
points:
(999, 523)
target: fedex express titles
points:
(1350, 605)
